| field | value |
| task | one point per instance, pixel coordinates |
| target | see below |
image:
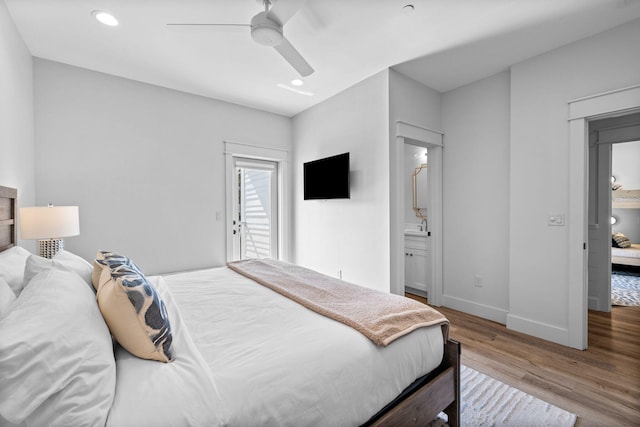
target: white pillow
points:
(7, 297)
(36, 264)
(12, 262)
(57, 366)
(75, 263)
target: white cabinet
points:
(416, 260)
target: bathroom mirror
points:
(420, 191)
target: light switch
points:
(555, 219)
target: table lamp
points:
(49, 225)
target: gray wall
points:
(16, 114)
(506, 166)
(541, 88)
(145, 164)
(350, 235)
(476, 124)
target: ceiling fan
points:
(266, 29)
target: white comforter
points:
(247, 356)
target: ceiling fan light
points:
(265, 31)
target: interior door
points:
(599, 246)
(255, 207)
(602, 134)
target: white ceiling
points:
(442, 43)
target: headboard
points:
(8, 217)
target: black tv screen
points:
(327, 178)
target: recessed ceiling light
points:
(297, 82)
(105, 18)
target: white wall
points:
(145, 164)
(351, 235)
(16, 114)
(625, 165)
(476, 197)
(412, 102)
(539, 161)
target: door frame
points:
(407, 133)
(258, 152)
(239, 232)
(581, 112)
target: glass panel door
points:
(255, 209)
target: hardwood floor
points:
(601, 384)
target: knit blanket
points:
(379, 316)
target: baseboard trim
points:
(538, 329)
(485, 311)
(415, 291)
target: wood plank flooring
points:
(601, 384)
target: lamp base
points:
(48, 248)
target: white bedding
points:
(155, 394)
(631, 252)
(244, 356)
(626, 256)
(273, 362)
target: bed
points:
(626, 256)
(625, 199)
(240, 354)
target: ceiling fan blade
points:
(204, 27)
(294, 58)
(283, 10)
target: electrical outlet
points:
(477, 281)
(340, 274)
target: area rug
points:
(625, 289)
(488, 402)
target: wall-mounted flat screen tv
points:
(327, 178)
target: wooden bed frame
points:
(418, 405)
(437, 392)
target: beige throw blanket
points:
(379, 316)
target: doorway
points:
(257, 202)
(604, 134)
(409, 135)
(417, 235)
(255, 209)
(582, 111)
(625, 224)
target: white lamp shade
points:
(49, 222)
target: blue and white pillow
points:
(136, 315)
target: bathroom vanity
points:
(416, 259)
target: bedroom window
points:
(255, 219)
